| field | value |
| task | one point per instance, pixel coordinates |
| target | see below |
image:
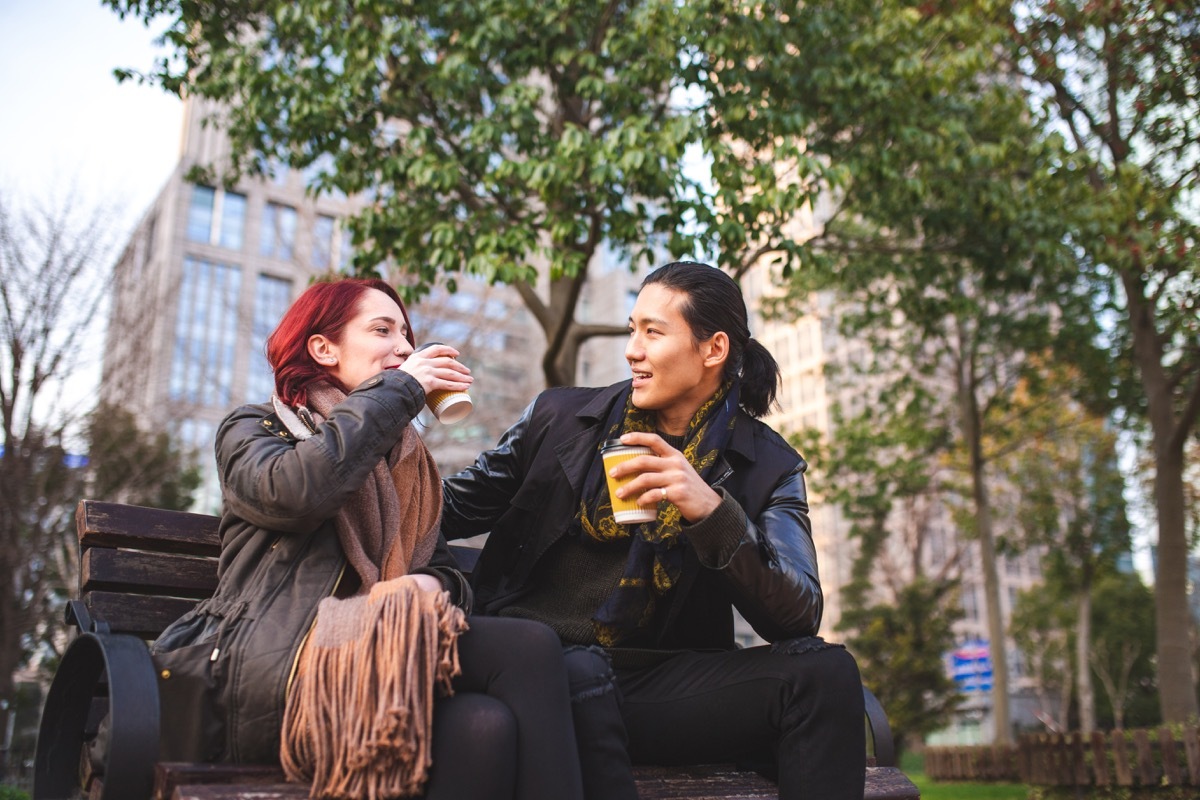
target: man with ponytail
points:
(645, 611)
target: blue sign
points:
(971, 667)
(70, 460)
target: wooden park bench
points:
(140, 569)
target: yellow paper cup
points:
(626, 512)
(449, 407)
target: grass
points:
(914, 768)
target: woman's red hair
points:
(325, 308)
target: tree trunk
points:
(1173, 622)
(991, 590)
(1083, 668)
(972, 436)
(1172, 614)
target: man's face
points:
(670, 375)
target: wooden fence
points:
(1134, 758)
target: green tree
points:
(1121, 80)
(1041, 628)
(901, 602)
(1069, 502)
(901, 646)
(1045, 628)
(511, 139)
(1122, 651)
(54, 259)
(129, 464)
(938, 219)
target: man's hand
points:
(666, 475)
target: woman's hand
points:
(666, 475)
(427, 583)
(435, 368)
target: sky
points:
(65, 122)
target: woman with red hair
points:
(338, 641)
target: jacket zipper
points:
(300, 650)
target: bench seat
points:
(143, 567)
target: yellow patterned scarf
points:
(655, 557)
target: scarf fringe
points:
(359, 718)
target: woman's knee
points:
(534, 639)
(474, 749)
(478, 719)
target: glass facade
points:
(278, 231)
(205, 333)
(200, 214)
(233, 220)
(216, 217)
(322, 242)
(196, 436)
(271, 298)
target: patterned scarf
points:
(655, 558)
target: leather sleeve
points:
(443, 566)
(475, 497)
(293, 486)
(772, 572)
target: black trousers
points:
(797, 713)
(507, 731)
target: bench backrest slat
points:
(138, 572)
(139, 615)
(141, 528)
(141, 568)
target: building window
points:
(271, 298)
(205, 333)
(216, 217)
(278, 231)
(233, 220)
(970, 604)
(200, 214)
(196, 437)
(322, 242)
(345, 245)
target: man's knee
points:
(589, 672)
(812, 663)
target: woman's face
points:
(375, 339)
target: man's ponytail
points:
(760, 379)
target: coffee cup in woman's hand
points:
(448, 405)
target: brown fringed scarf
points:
(359, 715)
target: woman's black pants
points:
(506, 732)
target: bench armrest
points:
(123, 662)
(881, 731)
